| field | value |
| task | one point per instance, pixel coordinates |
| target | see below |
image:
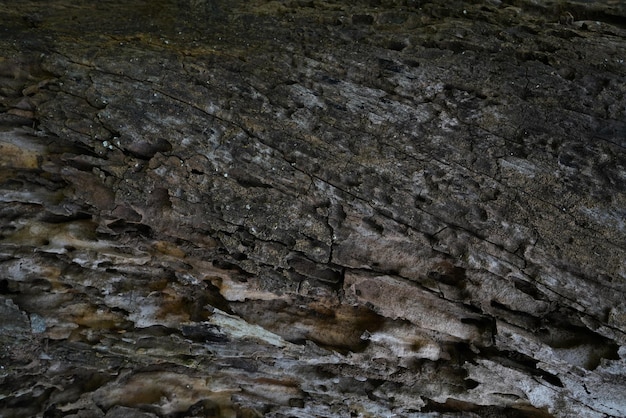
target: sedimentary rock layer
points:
(312, 208)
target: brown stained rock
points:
(307, 208)
(164, 391)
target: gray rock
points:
(312, 209)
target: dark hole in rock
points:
(470, 384)
(241, 363)
(456, 406)
(374, 225)
(362, 19)
(204, 408)
(447, 273)
(310, 269)
(245, 180)
(40, 284)
(499, 305)
(389, 65)
(552, 379)
(484, 324)
(329, 79)
(528, 288)
(204, 333)
(54, 218)
(577, 345)
(147, 149)
(120, 226)
(239, 256)
(396, 45)
(296, 403)
(157, 330)
(4, 287)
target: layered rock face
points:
(313, 208)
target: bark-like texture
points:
(312, 208)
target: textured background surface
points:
(308, 208)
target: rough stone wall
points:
(312, 208)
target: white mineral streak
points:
(238, 328)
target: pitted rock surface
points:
(313, 208)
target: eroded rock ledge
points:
(308, 208)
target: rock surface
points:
(313, 208)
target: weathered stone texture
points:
(311, 208)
